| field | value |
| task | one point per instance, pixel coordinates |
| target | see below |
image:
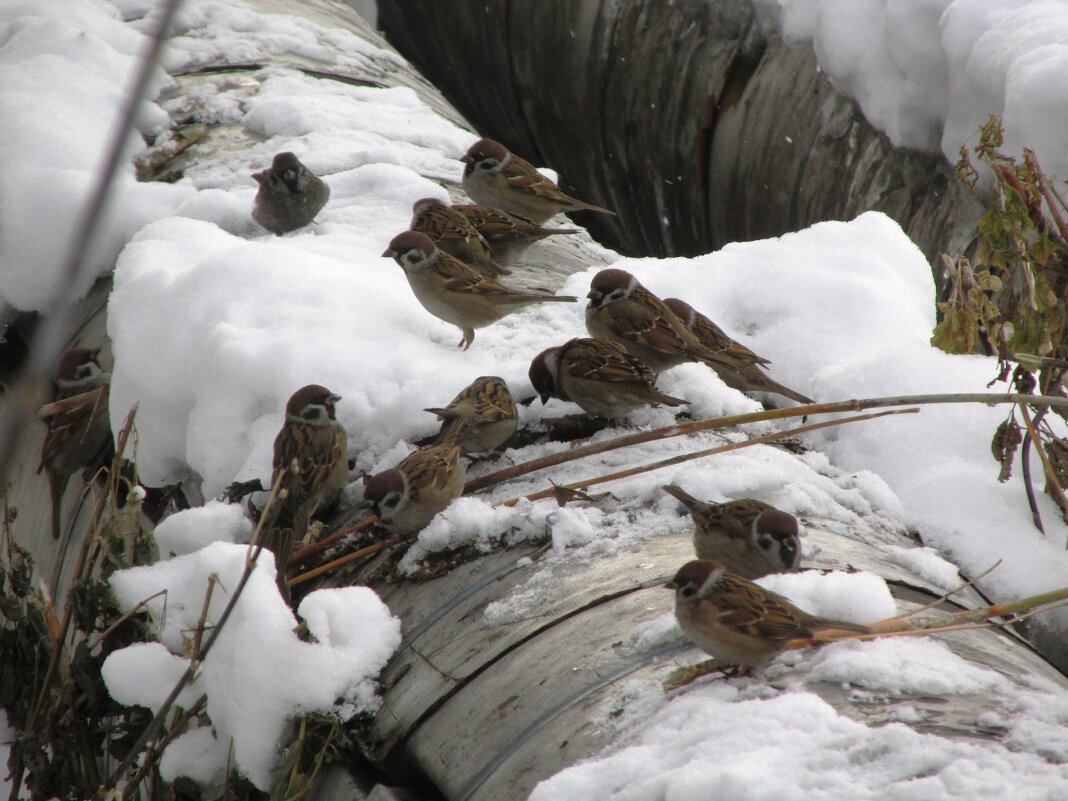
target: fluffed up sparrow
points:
(312, 450)
(748, 537)
(735, 364)
(407, 497)
(481, 418)
(508, 235)
(495, 177)
(738, 622)
(79, 437)
(624, 311)
(290, 195)
(598, 375)
(455, 292)
(456, 235)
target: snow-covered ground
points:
(214, 323)
(930, 72)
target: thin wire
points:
(29, 385)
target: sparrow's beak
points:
(333, 399)
(389, 254)
(467, 159)
(366, 506)
(671, 585)
(544, 397)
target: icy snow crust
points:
(928, 73)
(214, 323)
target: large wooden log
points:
(484, 706)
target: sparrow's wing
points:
(758, 612)
(600, 360)
(643, 324)
(315, 451)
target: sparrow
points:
(312, 450)
(454, 234)
(495, 177)
(622, 310)
(290, 195)
(79, 437)
(455, 292)
(407, 497)
(481, 418)
(508, 235)
(598, 375)
(747, 537)
(736, 365)
(738, 622)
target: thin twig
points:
(942, 599)
(1051, 475)
(29, 387)
(680, 429)
(344, 560)
(321, 545)
(140, 605)
(686, 457)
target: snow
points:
(929, 73)
(249, 699)
(49, 161)
(843, 310)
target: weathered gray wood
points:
(692, 121)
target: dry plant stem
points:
(941, 599)
(73, 402)
(79, 571)
(254, 550)
(344, 560)
(1051, 474)
(687, 457)
(321, 545)
(1044, 187)
(680, 429)
(140, 605)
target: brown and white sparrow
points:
(735, 364)
(748, 537)
(312, 449)
(79, 437)
(739, 622)
(481, 418)
(456, 235)
(290, 195)
(508, 235)
(598, 375)
(624, 311)
(495, 177)
(407, 497)
(455, 292)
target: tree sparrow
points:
(80, 437)
(312, 449)
(735, 364)
(748, 537)
(455, 292)
(454, 234)
(481, 418)
(508, 235)
(407, 497)
(290, 195)
(495, 177)
(598, 375)
(739, 622)
(624, 311)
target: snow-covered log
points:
(517, 662)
